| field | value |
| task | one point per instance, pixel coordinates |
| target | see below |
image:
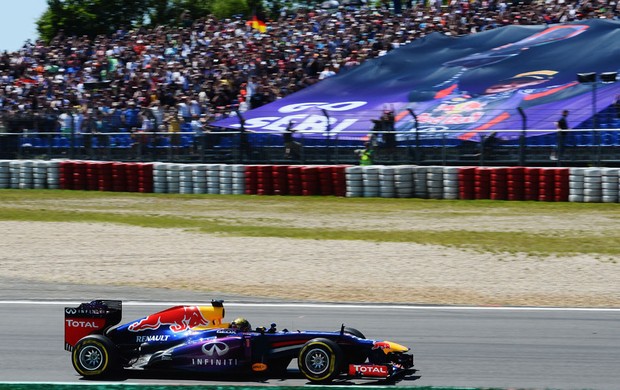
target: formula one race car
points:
(195, 339)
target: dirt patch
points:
(342, 271)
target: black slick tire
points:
(320, 360)
(95, 356)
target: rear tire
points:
(95, 356)
(320, 360)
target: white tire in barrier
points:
(373, 191)
(592, 199)
(575, 198)
(609, 172)
(353, 170)
(588, 185)
(592, 172)
(403, 177)
(372, 169)
(355, 187)
(451, 183)
(592, 192)
(403, 184)
(593, 179)
(435, 169)
(370, 182)
(403, 170)
(575, 191)
(435, 176)
(356, 183)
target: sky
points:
(17, 22)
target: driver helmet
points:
(242, 324)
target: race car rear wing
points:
(91, 317)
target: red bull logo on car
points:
(388, 346)
(179, 319)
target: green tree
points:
(90, 17)
(228, 8)
(94, 17)
(177, 12)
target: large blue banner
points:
(464, 85)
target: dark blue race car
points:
(195, 339)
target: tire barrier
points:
(609, 185)
(5, 174)
(589, 185)
(467, 183)
(515, 183)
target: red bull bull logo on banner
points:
(179, 319)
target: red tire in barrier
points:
(546, 185)
(119, 177)
(562, 187)
(339, 180)
(326, 184)
(106, 179)
(531, 182)
(265, 180)
(92, 176)
(482, 181)
(499, 188)
(79, 176)
(145, 177)
(309, 181)
(66, 175)
(467, 183)
(132, 177)
(515, 183)
(280, 180)
(294, 180)
(251, 179)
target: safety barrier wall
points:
(590, 185)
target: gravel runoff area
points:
(107, 255)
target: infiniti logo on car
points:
(217, 348)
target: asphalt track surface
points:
(522, 348)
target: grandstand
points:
(471, 98)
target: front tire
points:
(95, 356)
(354, 332)
(320, 360)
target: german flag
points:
(257, 24)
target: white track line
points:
(328, 306)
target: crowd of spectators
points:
(160, 78)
